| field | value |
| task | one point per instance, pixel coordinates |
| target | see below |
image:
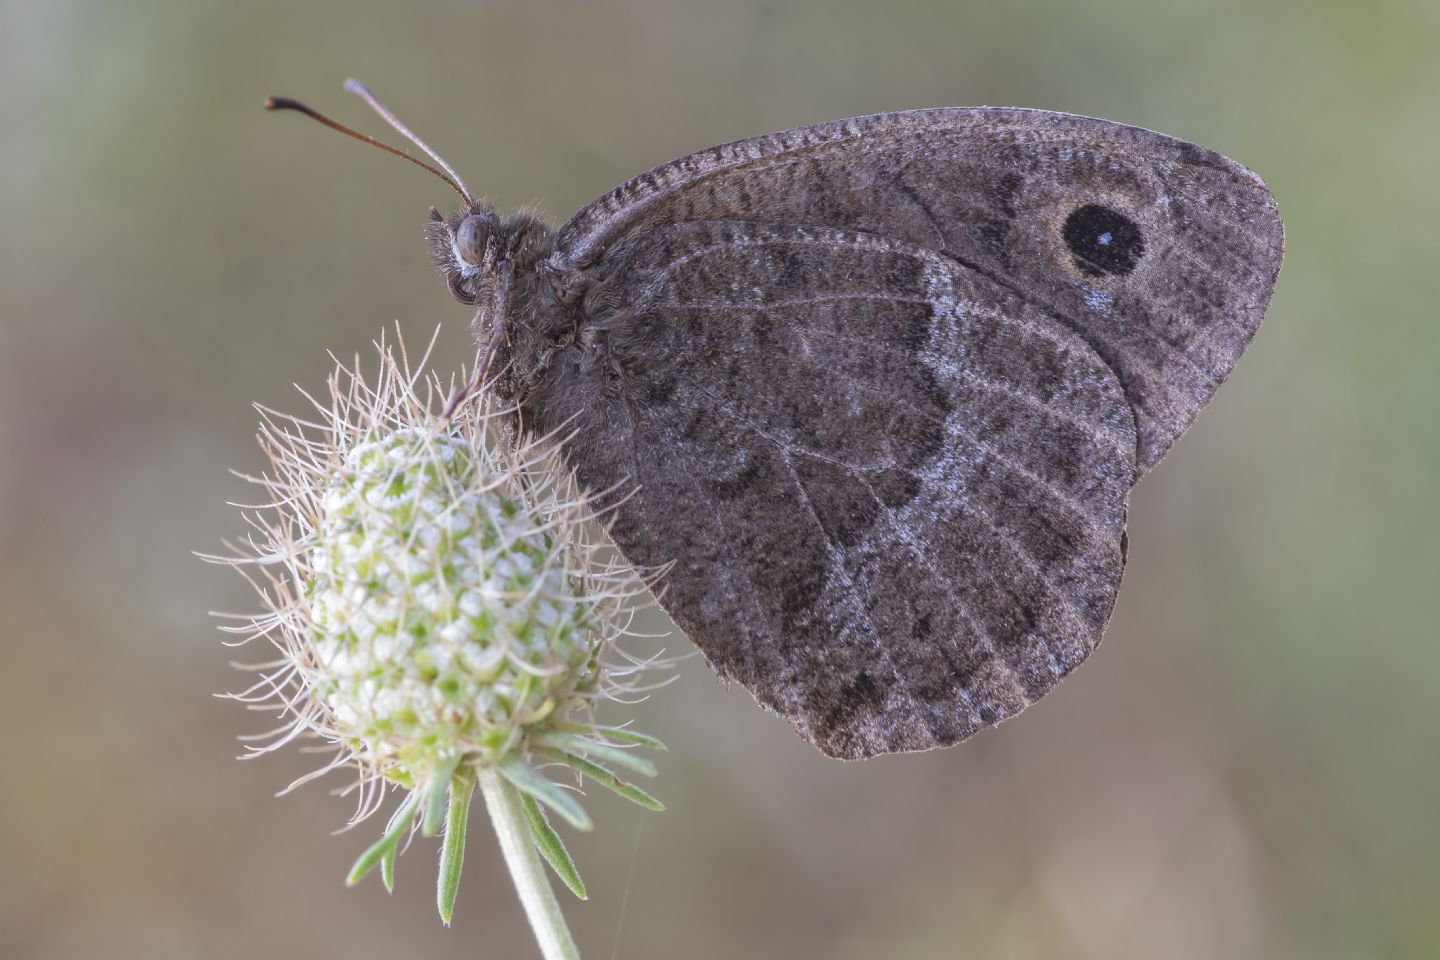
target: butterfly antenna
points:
(285, 103)
(363, 92)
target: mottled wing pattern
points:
(893, 491)
(1159, 253)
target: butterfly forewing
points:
(892, 491)
(1159, 253)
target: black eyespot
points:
(1103, 240)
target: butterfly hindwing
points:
(892, 491)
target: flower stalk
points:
(514, 831)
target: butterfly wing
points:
(1159, 253)
(892, 490)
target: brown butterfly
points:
(877, 390)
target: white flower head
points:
(444, 604)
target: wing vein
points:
(1000, 536)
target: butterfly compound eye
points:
(470, 239)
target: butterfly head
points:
(470, 247)
(497, 264)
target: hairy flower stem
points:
(513, 830)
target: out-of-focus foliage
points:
(1247, 767)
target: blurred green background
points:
(1247, 768)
